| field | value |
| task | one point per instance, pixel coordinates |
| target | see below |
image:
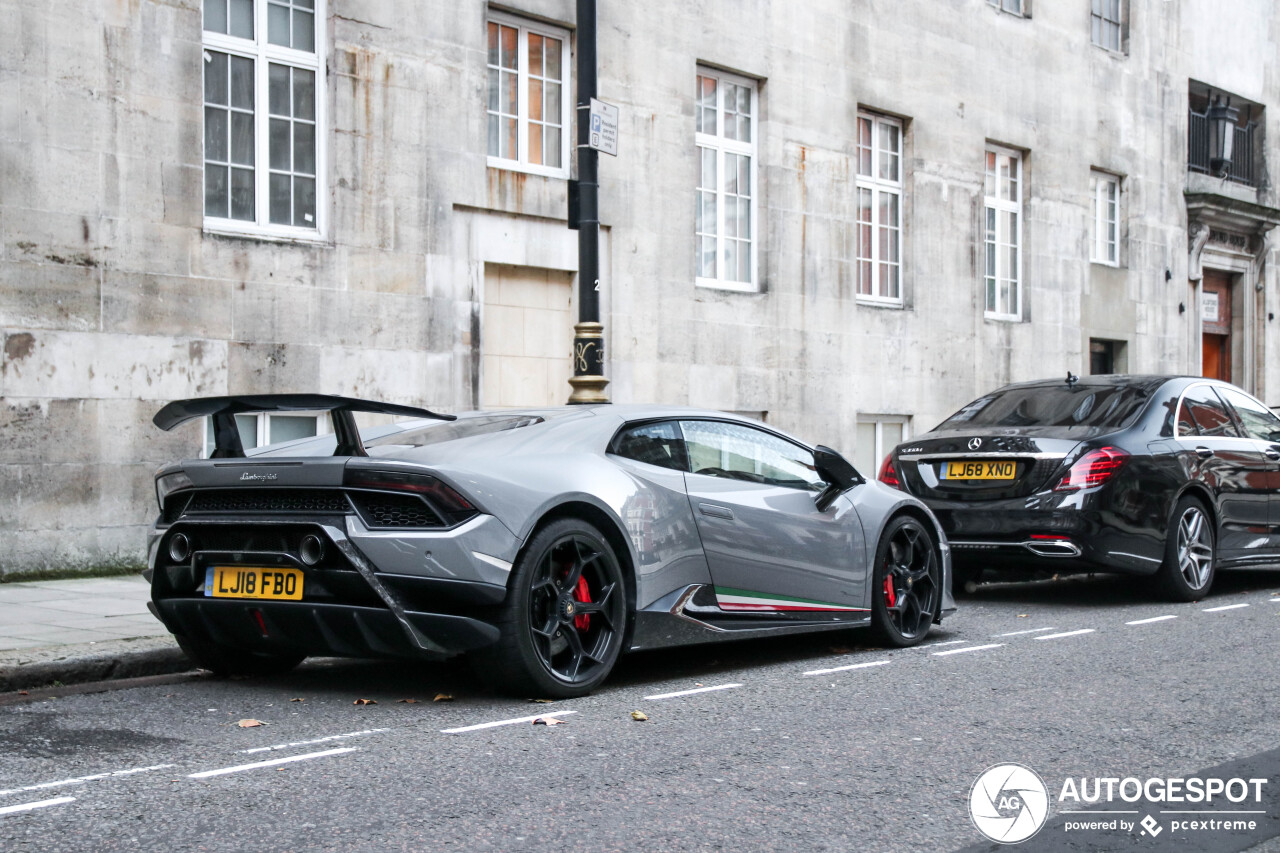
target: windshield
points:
(1105, 407)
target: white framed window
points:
(879, 188)
(264, 121)
(263, 428)
(1107, 24)
(727, 126)
(877, 435)
(528, 96)
(1104, 231)
(1002, 223)
(1015, 7)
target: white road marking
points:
(693, 691)
(1020, 633)
(79, 780)
(494, 725)
(1152, 619)
(1275, 600)
(1224, 607)
(968, 649)
(223, 771)
(26, 807)
(310, 742)
(947, 643)
(846, 668)
(1067, 634)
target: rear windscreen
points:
(442, 431)
(1106, 407)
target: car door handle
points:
(1203, 452)
(1272, 453)
(716, 510)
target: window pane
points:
(551, 148)
(507, 47)
(493, 43)
(1259, 422)
(721, 449)
(304, 148)
(553, 103)
(494, 123)
(304, 94)
(242, 82)
(304, 202)
(279, 144)
(248, 426)
(242, 138)
(865, 450)
(242, 198)
(215, 190)
(509, 140)
(554, 47)
(215, 16)
(304, 31)
(215, 134)
(242, 18)
(215, 77)
(535, 145)
(280, 200)
(654, 444)
(509, 94)
(278, 89)
(535, 100)
(492, 104)
(535, 54)
(278, 25)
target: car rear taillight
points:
(1092, 469)
(888, 474)
(440, 495)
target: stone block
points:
(49, 295)
(176, 306)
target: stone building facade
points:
(847, 218)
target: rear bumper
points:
(1078, 534)
(341, 630)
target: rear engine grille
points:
(388, 510)
(268, 500)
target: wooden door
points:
(1215, 322)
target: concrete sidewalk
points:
(73, 631)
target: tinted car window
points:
(654, 444)
(738, 452)
(1259, 421)
(1203, 407)
(1108, 407)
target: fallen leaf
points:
(1022, 616)
(297, 700)
(542, 701)
(365, 702)
(407, 701)
(250, 724)
(839, 650)
(548, 721)
(697, 684)
(23, 693)
(443, 697)
(639, 716)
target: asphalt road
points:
(821, 743)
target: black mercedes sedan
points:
(1169, 476)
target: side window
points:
(654, 444)
(739, 452)
(1259, 421)
(1203, 407)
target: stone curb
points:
(29, 668)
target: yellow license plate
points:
(974, 470)
(253, 582)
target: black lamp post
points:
(588, 333)
(1222, 133)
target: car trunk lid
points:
(993, 464)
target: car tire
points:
(906, 587)
(564, 617)
(225, 660)
(1190, 552)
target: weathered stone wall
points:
(113, 300)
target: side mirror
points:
(836, 472)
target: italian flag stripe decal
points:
(744, 599)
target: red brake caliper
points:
(582, 593)
(890, 597)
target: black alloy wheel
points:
(907, 589)
(1189, 555)
(565, 615)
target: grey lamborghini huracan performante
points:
(540, 543)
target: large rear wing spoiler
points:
(226, 436)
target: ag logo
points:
(1009, 803)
